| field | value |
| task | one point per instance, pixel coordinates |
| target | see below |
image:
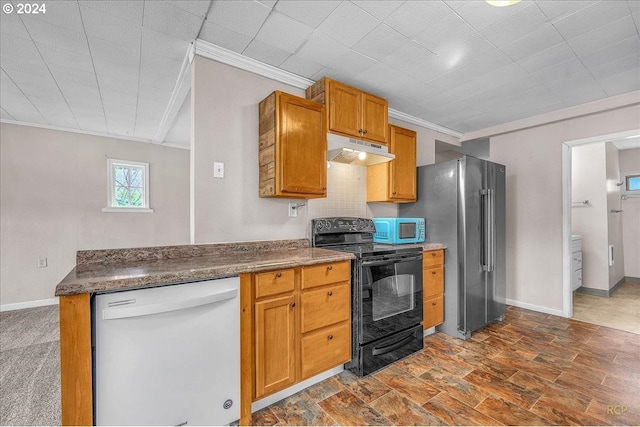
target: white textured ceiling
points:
(111, 66)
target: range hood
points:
(342, 149)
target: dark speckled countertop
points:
(123, 269)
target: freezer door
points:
(473, 296)
(496, 275)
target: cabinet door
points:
(275, 345)
(374, 118)
(324, 306)
(325, 348)
(433, 312)
(345, 109)
(433, 282)
(303, 147)
(403, 167)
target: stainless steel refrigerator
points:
(463, 203)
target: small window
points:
(128, 186)
(632, 183)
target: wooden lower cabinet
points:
(325, 348)
(275, 338)
(433, 288)
(302, 324)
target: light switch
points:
(218, 170)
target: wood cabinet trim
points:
(76, 370)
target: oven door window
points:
(390, 297)
(393, 294)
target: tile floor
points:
(620, 311)
(531, 369)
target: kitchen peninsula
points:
(103, 271)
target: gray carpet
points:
(30, 367)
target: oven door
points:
(390, 295)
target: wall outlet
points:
(218, 170)
(293, 209)
(42, 262)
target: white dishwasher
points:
(168, 355)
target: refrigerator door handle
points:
(488, 213)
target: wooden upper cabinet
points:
(395, 181)
(292, 147)
(403, 167)
(375, 118)
(352, 112)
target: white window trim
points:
(624, 190)
(111, 206)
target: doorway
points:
(598, 219)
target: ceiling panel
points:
(622, 49)
(556, 10)
(111, 66)
(603, 36)
(130, 11)
(223, 37)
(479, 16)
(164, 17)
(301, 67)
(309, 12)
(266, 53)
(271, 32)
(591, 17)
(527, 19)
(348, 24)
(242, 17)
(379, 9)
(536, 41)
(106, 27)
(547, 58)
(446, 35)
(414, 17)
(322, 49)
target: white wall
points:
(588, 182)
(225, 128)
(53, 187)
(614, 220)
(533, 157)
(630, 162)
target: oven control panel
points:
(342, 225)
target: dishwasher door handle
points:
(146, 310)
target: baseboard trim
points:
(634, 280)
(534, 307)
(617, 286)
(592, 291)
(29, 304)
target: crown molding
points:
(424, 123)
(229, 57)
(91, 133)
(178, 96)
(234, 59)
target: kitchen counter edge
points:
(113, 277)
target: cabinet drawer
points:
(324, 274)
(325, 348)
(433, 312)
(325, 306)
(433, 282)
(274, 282)
(432, 259)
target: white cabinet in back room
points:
(576, 261)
